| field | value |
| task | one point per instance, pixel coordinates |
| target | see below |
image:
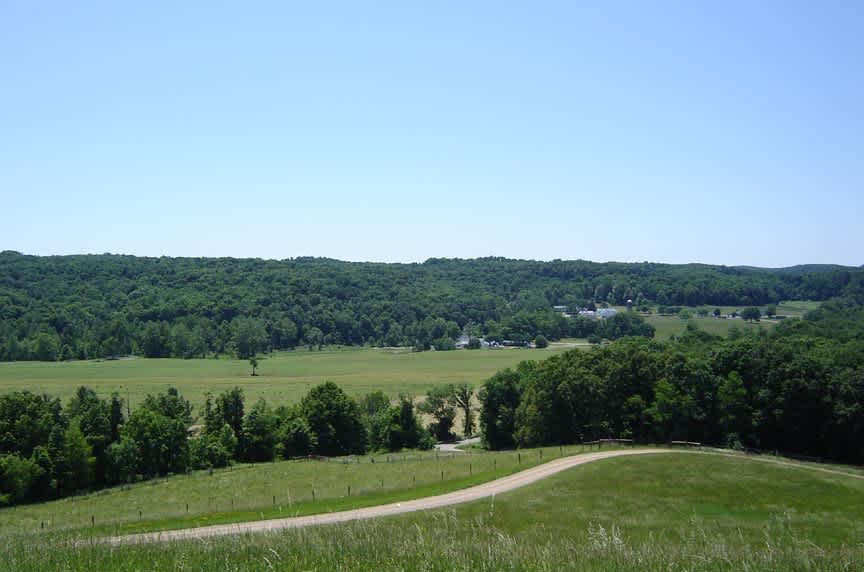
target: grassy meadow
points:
(657, 512)
(667, 326)
(284, 377)
(272, 490)
(664, 496)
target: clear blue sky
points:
(727, 132)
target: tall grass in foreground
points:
(442, 543)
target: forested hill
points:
(92, 305)
(798, 390)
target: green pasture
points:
(283, 377)
(787, 308)
(668, 326)
(675, 511)
(286, 376)
(796, 308)
(272, 490)
(668, 496)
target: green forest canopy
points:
(86, 306)
(798, 389)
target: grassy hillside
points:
(667, 496)
(670, 512)
(284, 376)
(246, 492)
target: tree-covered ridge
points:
(799, 389)
(64, 307)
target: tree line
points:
(797, 390)
(49, 451)
(91, 306)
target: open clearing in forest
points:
(287, 376)
(667, 326)
(284, 377)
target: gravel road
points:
(454, 447)
(498, 486)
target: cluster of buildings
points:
(463, 340)
(600, 313)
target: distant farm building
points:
(463, 341)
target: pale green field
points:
(788, 308)
(286, 376)
(668, 326)
(657, 513)
(663, 497)
(271, 490)
(283, 377)
(796, 308)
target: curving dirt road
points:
(478, 492)
(454, 447)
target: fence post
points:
(520, 458)
(442, 475)
(349, 490)
(92, 521)
(187, 508)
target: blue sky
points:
(727, 132)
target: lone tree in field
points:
(254, 363)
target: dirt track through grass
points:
(478, 492)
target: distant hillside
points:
(803, 268)
(84, 306)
